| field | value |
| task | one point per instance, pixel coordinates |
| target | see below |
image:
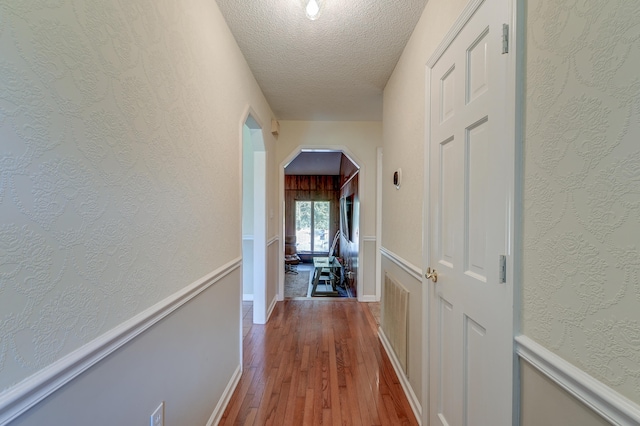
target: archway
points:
(355, 180)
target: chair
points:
(291, 258)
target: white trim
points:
(247, 238)
(273, 240)
(416, 407)
(216, 416)
(369, 298)
(45, 382)
(426, 252)
(408, 267)
(368, 239)
(516, 92)
(271, 307)
(462, 20)
(247, 297)
(593, 393)
(378, 273)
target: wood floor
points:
(317, 362)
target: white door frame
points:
(515, 96)
(259, 215)
(288, 159)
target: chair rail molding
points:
(608, 403)
(407, 266)
(20, 398)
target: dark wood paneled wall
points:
(347, 169)
(311, 188)
(349, 249)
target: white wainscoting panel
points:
(368, 267)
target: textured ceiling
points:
(333, 68)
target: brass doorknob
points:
(432, 275)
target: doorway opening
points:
(320, 190)
(254, 218)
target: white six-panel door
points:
(471, 310)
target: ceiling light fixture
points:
(313, 9)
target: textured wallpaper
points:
(119, 165)
(582, 186)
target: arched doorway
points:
(345, 213)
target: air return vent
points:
(395, 314)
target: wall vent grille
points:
(395, 314)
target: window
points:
(312, 226)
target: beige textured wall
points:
(403, 137)
(404, 130)
(582, 186)
(119, 165)
(360, 137)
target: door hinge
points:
(502, 269)
(505, 38)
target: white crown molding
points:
(404, 380)
(21, 397)
(408, 267)
(593, 393)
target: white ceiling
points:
(333, 68)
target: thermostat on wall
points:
(397, 178)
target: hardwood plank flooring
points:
(317, 362)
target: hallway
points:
(317, 362)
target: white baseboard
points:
(599, 397)
(216, 416)
(271, 308)
(23, 396)
(368, 299)
(247, 297)
(404, 380)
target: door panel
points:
(474, 377)
(447, 95)
(449, 205)
(477, 67)
(471, 320)
(447, 366)
(477, 147)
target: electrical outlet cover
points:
(157, 418)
